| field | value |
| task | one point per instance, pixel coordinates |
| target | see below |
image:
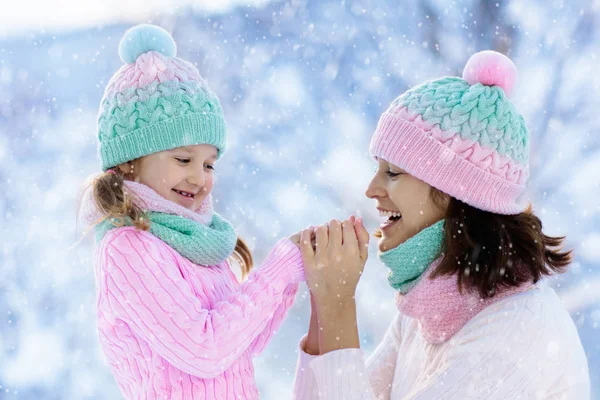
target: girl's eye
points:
(211, 167)
(183, 160)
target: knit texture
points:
(410, 259)
(441, 309)
(174, 329)
(525, 346)
(464, 139)
(202, 243)
(171, 329)
(156, 102)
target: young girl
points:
(465, 257)
(173, 321)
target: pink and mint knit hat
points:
(155, 102)
(462, 136)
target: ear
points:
(130, 169)
(125, 168)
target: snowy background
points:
(302, 85)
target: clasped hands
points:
(334, 257)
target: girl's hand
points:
(295, 238)
(311, 345)
(333, 268)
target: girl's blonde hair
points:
(116, 203)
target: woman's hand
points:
(311, 345)
(334, 266)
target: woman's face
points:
(184, 175)
(405, 204)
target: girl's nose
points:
(197, 179)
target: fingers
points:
(335, 233)
(321, 239)
(295, 238)
(349, 234)
(363, 238)
(305, 242)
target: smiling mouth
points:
(392, 218)
(391, 215)
(187, 195)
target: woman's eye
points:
(183, 160)
(211, 167)
(392, 174)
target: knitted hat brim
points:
(191, 129)
(409, 147)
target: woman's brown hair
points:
(116, 203)
(488, 251)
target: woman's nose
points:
(374, 189)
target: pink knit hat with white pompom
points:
(462, 136)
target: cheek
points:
(150, 175)
(424, 212)
(412, 199)
(210, 181)
(400, 195)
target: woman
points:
(466, 257)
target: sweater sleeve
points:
(261, 341)
(513, 351)
(145, 288)
(305, 385)
(381, 365)
(343, 374)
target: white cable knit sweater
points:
(525, 346)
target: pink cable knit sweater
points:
(171, 329)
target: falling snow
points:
(302, 86)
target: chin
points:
(181, 203)
(387, 243)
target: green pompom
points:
(144, 38)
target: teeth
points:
(389, 214)
(184, 193)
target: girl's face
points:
(183, 175)
(404, 202)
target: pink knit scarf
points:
(149, 200)
(441, 309)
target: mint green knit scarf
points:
(410, 259)
(199, 243)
